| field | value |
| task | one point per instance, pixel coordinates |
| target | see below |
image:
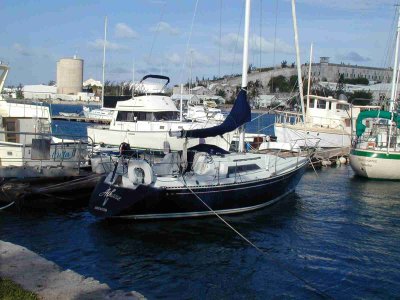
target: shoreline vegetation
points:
(9, 290)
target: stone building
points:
(326, 71)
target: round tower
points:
(69, 75)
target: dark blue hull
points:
(147, 202)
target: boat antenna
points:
(104, 60)
(298, 63)
(245, 66)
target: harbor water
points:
(337, 235)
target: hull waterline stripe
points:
(203, 213)
(375, 154)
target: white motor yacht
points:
(328, 122)
(145, 121)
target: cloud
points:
(174, 58)
(165, 28)
(99, 43)
(353, 56)
(22, 50)
(124, 31)
(198, 59)
(231, 42)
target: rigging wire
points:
(390, 43)
(237, 41)
(274, 52)
(189, 39)
(220, 37)
(157, 30)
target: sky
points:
(182, 37)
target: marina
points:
(203, 169)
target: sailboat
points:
(376, 149)
(204, 179)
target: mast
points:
(309, 79)
(393, 93)
(298, 63)
(104, 60)
(394, 83)
(245, 65)
(181, 105)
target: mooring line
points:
(312, 165)
(8, 205)
(274, 261)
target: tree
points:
(284, 64)
(293, 65)
(293, 83)
(359, 97)
(252, 90)
(279, 83)
(19, 93)
(51, 82)
(360, 80)
(221, 93)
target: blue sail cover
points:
(240, 114)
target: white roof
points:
(150, 103)
(92, 82)
(40, 88)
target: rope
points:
(8, 205)
(320, 293)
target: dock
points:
(81, 119)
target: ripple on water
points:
(337, 232)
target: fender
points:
(145, 167)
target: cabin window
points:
(321, 104)
(242, 169)
(126, 116)
(341, 106)
(130, 116)
(11, 127)
(166, 115)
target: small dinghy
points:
(67, 114)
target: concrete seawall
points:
(36, 274)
